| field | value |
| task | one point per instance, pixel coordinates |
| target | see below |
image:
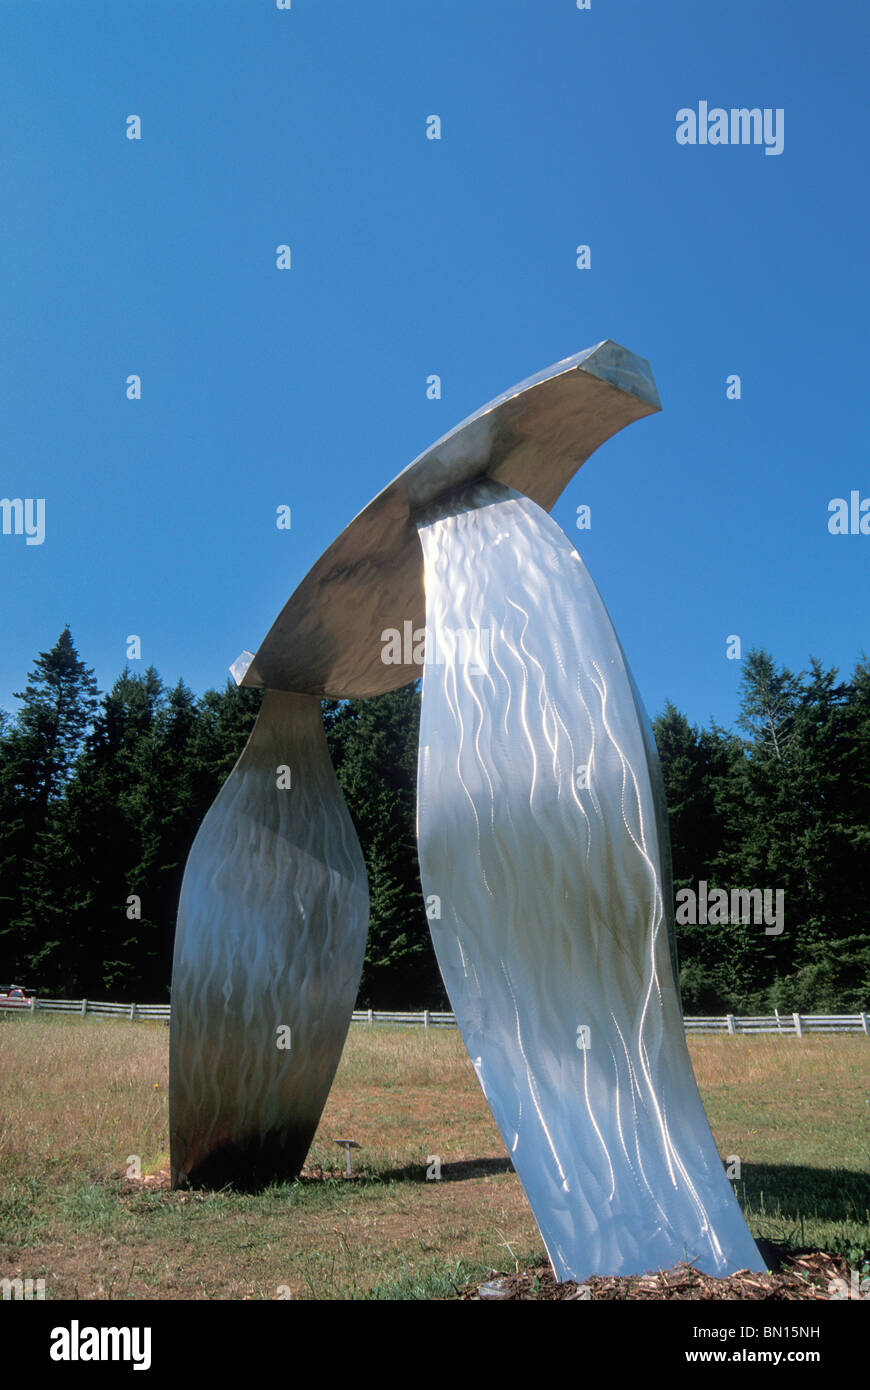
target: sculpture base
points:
(248, 1167)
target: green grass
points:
(798, 1118)
(79, 1096)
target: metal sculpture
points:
(542, 836)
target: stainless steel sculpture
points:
(269, 950)
(542, 834)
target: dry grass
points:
(783, 1094)
(76, 1093)
(79, 1096)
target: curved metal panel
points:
(540, 834)
(271, 937)
(534, 437)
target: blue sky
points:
(307, 387)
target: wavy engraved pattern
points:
(271, 932)
(540, 833)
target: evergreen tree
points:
(786, 808)
(373, 744)
(769, 703)
(152, 768)
(37, 754)
(59, 703)
(690, 765)
(697, 769)
(99, 806)
(78, 898)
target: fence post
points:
(371, 1017)
(797, 1025)
(729, 1019)
(132, 1012)
(84, 1007)
(425, 1018)
(864, 1023)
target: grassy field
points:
(80, 1097)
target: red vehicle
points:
(14, 998)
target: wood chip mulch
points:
(805, 1276)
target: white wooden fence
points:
(795, 1025)
(87, 1006)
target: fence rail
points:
(795, 1025)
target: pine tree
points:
(59, 704)
(373, 744)
(37, 755)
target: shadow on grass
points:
(253, 1182)
(460, 1171)
(792, 1192)
(789, 1193)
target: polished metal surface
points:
(534, 437)
(540, 838)
(542, 832)
(271, 937)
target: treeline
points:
(101, 797)
(783, 805)
(100, 800)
